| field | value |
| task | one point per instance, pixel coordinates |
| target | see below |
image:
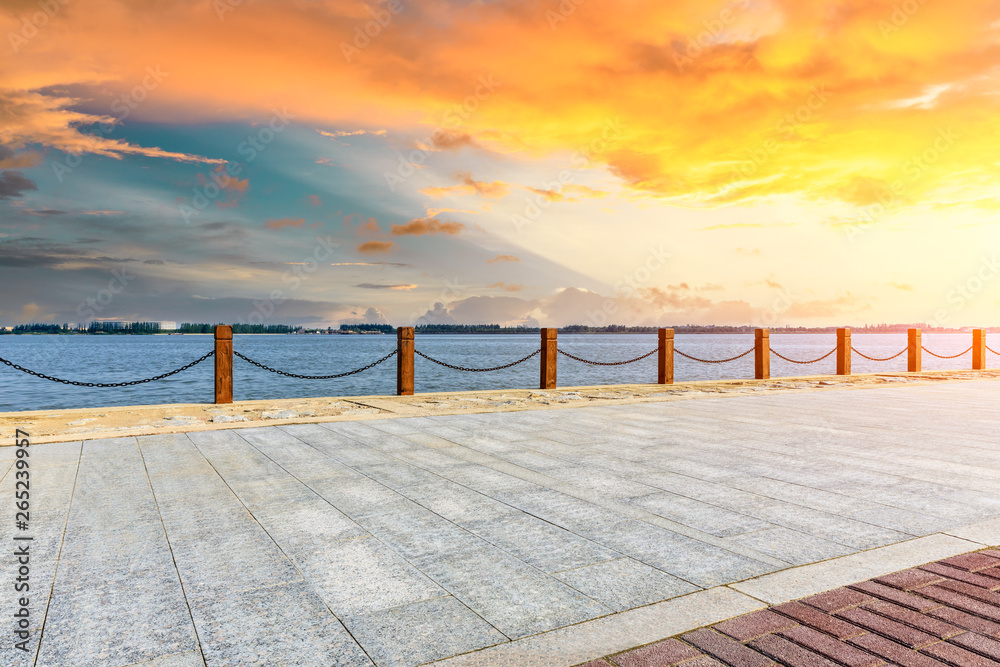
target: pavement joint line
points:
(55, 569)
(170, 547)
(608, 635)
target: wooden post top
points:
(404, 333)
(548, 333)
(761, 333)
(223, 332)
(845, 331)
(913, 332)
(666, 333)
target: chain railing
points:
(715, 361)
(477, 370)
(796, 361)
(314, 377)
(862, 354)
(105, 384)
(405, 353)
(608, 363)
(941, 356)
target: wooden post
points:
(843, 351)
(548, 375)
(404, 361)
(914, 348)
(665, 370)
(762, 354)
(978, 349)
(223, 364)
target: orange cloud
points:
(788, 98)
(503, 258)
(284, 222)
(505, 287)
(424, 226)
(315, 200)
(376, 247)
(469, 186)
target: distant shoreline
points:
(517, 333)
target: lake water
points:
(123, 358)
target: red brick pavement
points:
(941, 614)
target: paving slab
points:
(543, 538)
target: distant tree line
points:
(188, 327)
(380, 328)
(472, 329)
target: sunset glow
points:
(517, 161)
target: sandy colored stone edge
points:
(92, 423)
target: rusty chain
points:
(794, 361)
(939, 356)
(477, 370)
(854, 349)
(715, 361)
(314, 377)
(105, 384)
(609, 363)
(992, 350)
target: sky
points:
(521, 162)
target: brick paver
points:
(936, 615)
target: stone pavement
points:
(943, 613)
(561, 535)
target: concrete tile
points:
(624, 583)
(914, 523)
(791, 546)
(289, 620)
(418, 633)
(415, 532)
(189, 659)
(398, 474)
(512, 596)
(455, 502)
(126, 610)
(683, 557)
(538, 543)
(709, 518)
(116, 592)
(559, 508)
(363, 575)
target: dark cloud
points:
(14, 184)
